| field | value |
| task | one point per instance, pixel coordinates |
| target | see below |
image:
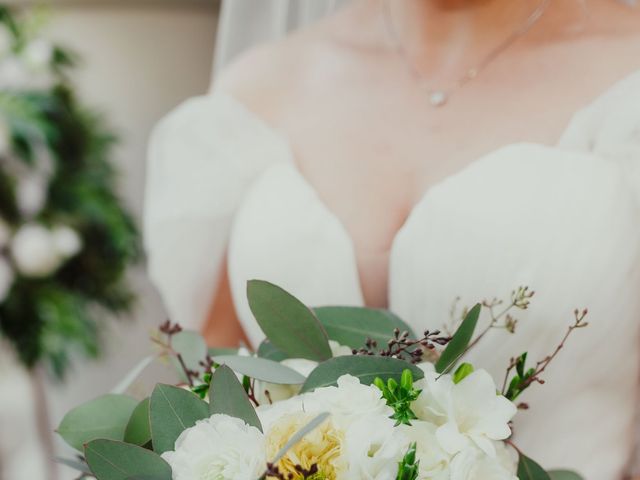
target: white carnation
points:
(373, 447)
(34, 251)
(434, 461)
(474, 464)
(218, 448)
(467, 413)
(66, 240)
(6, 278)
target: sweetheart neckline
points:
(282, 137)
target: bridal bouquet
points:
(333, 393)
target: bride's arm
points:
(222, 327)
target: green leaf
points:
(213, 351)
(530, 470)
(138, 430)
(171, 411)
(105, 417)
(269, 351)
(365, 368)
(287, 322)
(564, 475)
(352, 326)
(261, 369)
(226, 396)
(460, 341)
(192, 348)
(462, 372)
(110, 460)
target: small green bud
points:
(462, 372)
(406, 381)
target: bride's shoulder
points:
(268, 76)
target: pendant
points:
(437, 98)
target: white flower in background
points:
(474, 464)
(218, 448)
(38, 54)
(271, 392)
(6, 278)
(304, 367)
(466, 413)
(5, 234)
(34, 251)
(66, 240)
(31, 194)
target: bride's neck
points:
(442, 35)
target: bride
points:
(408, 153)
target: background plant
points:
(65, 237)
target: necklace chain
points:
(439, 97)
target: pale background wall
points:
(140, 59)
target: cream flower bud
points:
(34, 251)
(31, 194)
(67, 241)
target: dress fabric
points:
(562, 219)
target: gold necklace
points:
(440, 96)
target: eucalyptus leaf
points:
(227, 397)
(269, 351)
(261, 369)
(352, 326)
(564, 475)
(138, 430)
(213, 351)
(192, 348)
(289, 324)
(110, 460)
(105, 417)
(171, 411)
(530, 470)
(460, 341)
(366, 368)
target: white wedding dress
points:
(562, 219)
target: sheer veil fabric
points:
(244, 23)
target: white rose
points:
(218, 448)
(474, 464)
(66, 240)
(469, 412)
(31, 194)
(6, 279)
(34, 251)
